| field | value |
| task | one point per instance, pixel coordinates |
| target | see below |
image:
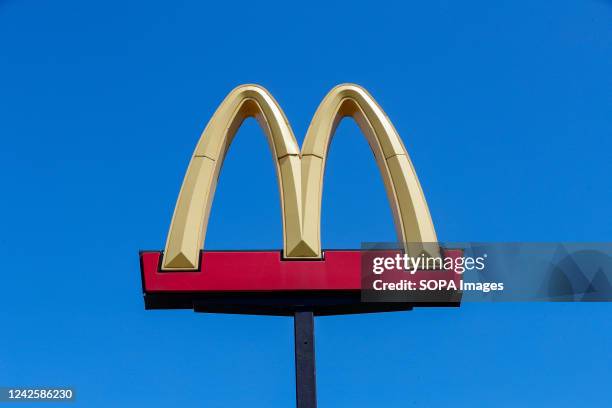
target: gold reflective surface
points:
(299, 173)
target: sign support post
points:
(305, 372)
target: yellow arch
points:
(300, 174)
(190, 219)
(411, 215)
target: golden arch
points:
(300, 174)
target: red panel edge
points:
(264, 271)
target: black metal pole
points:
(305, 374)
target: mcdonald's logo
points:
(300, 173)
(184, 275)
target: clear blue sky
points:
(505, 107)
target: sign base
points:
(263, 283)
